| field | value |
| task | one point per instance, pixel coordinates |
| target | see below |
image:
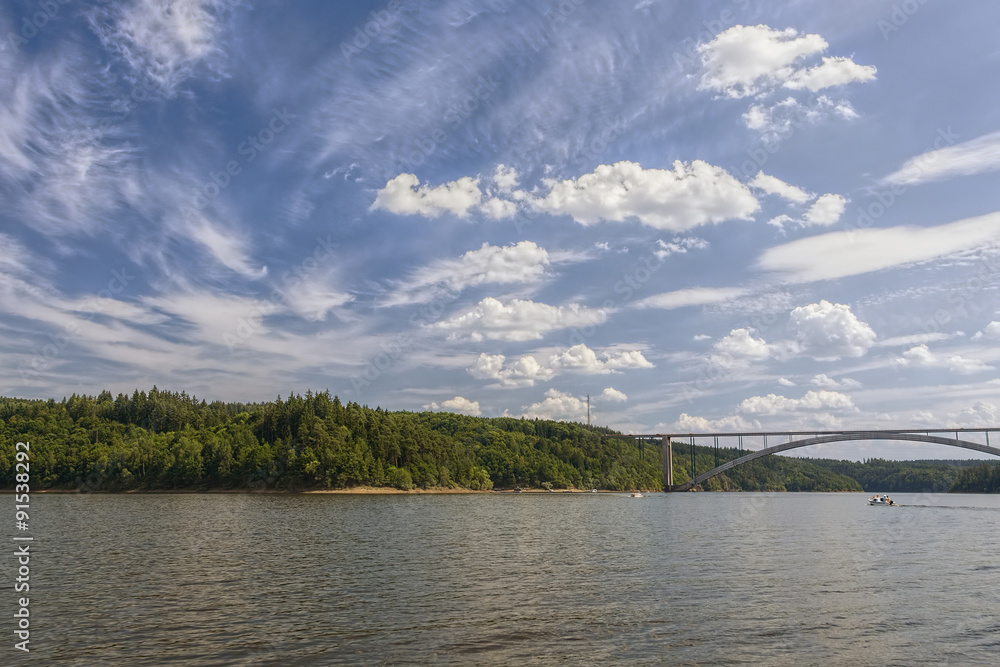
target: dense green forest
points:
(982, 478)
(879, 475)
(160, 440)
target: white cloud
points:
(578, 358)
(523, 373)
(612, 394)
(833, 72)
(519, 319)
(976, 156)
(823, 381)
(582, 358)
(980, 413)
(914, 339)
(677, 200)
(160, 39)
(782, 118)
(462, 406)
(742, 60)
(404, 195)
(825, 211)
(506, 178)
(558, 406)
(785, 382)
(497, 209)
(227, 247)
(678, 245)
(990, 332)
(776, 186)
(773, 404)
(920, 356)
(524, 262)
(691, 424)
(826, 330)
(315, 296)
(750, 60)
(840, 254)
(738, 349)
(691, 296)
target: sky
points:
(711, 216)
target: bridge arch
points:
(835, 437)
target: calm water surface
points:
(696, 578)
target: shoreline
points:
(354, 490)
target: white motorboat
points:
(637, 494)
(881, 499)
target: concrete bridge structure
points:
(796, 439)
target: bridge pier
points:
(667, 459)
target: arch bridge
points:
(797, 439)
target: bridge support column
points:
(667, 456)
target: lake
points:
(692, 578)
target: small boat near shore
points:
(881, 499)
(637, 494)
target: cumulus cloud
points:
(558, 406)
(612, 394)
(498, 209)
(743, 60)
(825, 211)
(691, 424)
(749, 60)
(578, 358)
(776, 186)
(823, 381)
(990, 332)
(687, 196)
(833, 72)
(404, 195)
(523, 262)
(522, 373)
(462, 406)
(827, 330)
(738, 349)
(518, 320)
(773, 404)
(980, 413)
(505, 178)
(977, 156)
(920, 356)
(785, 382)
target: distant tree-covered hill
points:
(161, 440)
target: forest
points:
(161, 441)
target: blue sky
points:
(707, 216)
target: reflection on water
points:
(696, 578)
